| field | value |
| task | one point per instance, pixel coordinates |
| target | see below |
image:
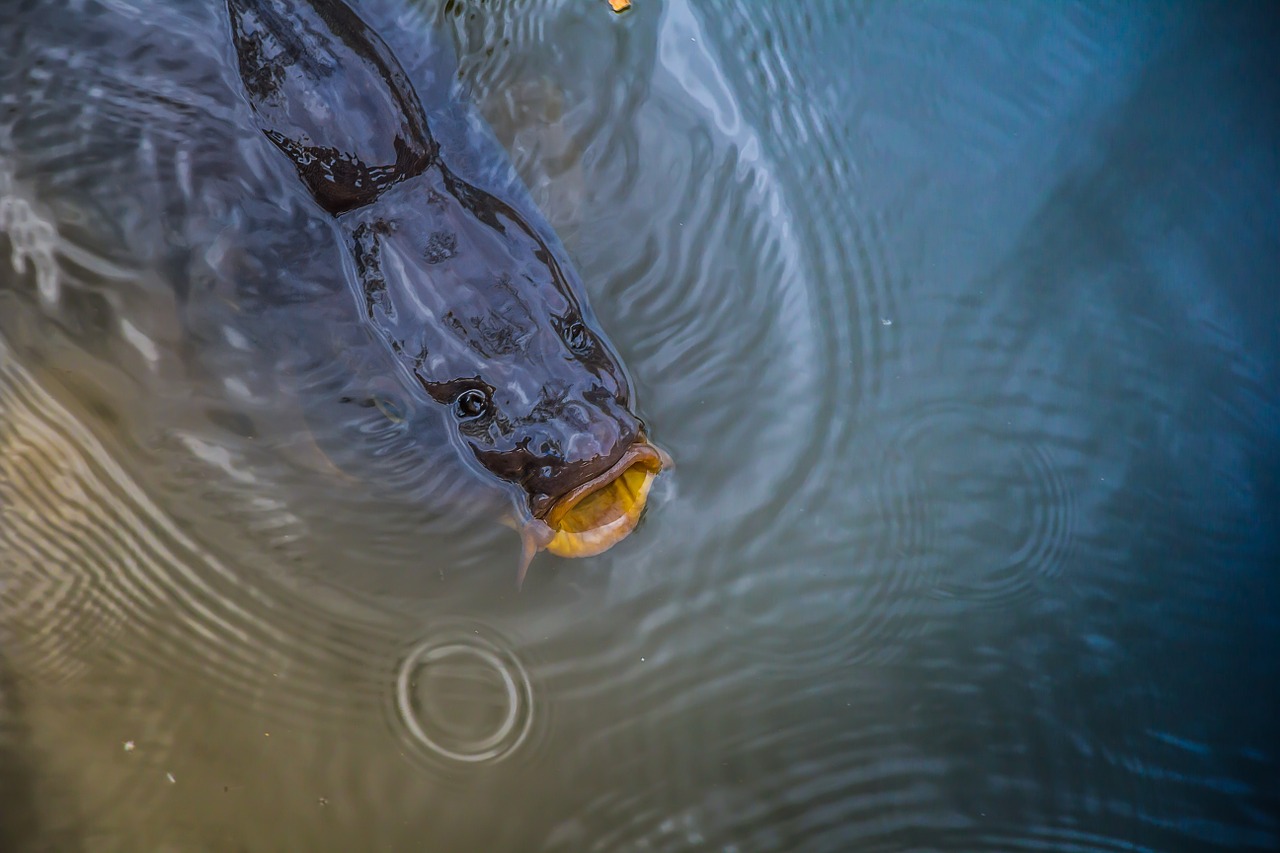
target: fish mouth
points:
(594, 516)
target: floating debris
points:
(619, 6)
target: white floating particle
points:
(128, 746)
(172, 781)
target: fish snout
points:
(580, 443)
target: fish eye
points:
(577, 338)
(470, 404)
(391, 410)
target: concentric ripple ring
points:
(517, 692)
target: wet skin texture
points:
(464, 292)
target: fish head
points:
(491, 320)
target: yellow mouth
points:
(594, 521)
(598, 514)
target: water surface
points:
(960, 322)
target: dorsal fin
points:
(330, 94)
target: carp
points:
(275, 156)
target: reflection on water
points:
(960, 323)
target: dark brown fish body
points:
(274, 156)
(484, 316)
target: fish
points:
(283, 172)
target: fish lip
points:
(640, 451)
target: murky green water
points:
(959, 320)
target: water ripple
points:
(886, 599)
(959, 506)
(462, 697)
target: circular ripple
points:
(988, 513)
(722, 310)
(463, 697)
